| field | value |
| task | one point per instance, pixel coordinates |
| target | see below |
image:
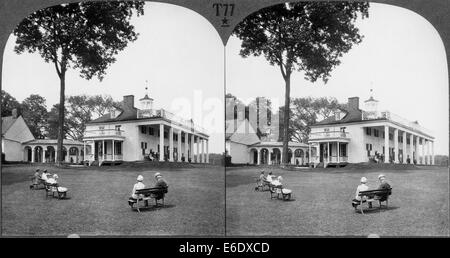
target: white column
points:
(32, 154)
(432, 153)
(171, 144)
(258, 157)
(292, 156)
(113, 151)
(179, 146)
(103, 149)
(395, 145)
(338, 152)
(386, 144)
(207, 151)
(84, 151)
(309, 154)
(43, 155)
(423, 152)
(203, 151)
(404, 147)
(328, 152)
(56, 154)
(186, 146)
(416, 149)
(269, 161)
(411, 148)
(161, 142)
(428, 153)
(192, 147)
(198, 150)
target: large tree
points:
(8, 104)
(80, 109)
(35, 113)
(306, 36)
(308, 111)
(83, 36)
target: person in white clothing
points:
(362, 187)
(269, 177)
(45, 175)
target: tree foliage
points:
(308, 111)
(8, 103)
(80, 109)
(35, 114)
(83, 36)
(305, 36)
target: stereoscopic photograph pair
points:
(252, 118)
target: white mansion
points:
(352, 135)
(131, 134)
(357, 135)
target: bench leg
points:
(137, 205)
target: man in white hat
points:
(383, 185)
(362, 187)
(160, 182)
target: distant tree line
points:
(43, 123)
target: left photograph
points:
(112, 123)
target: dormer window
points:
(114, 113)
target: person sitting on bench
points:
(45, 175)
(383, 185)
(361, 187)
(56, 188)
(269, 177)
(138, 186)
(261, 179)
(160, 182)
(35, 179)
(283, 190)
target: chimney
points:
(353, 103)
(14, 113)
(128, 101)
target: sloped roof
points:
(243, 134)
(352, 115)
(127, 113)
(53, 142)
(7, 122)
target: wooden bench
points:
(51, 189)
(146, 194)
(35, 185)
(380, 195)
(277, 191)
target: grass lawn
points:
(418, 206)
(97, 203)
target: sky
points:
(178, 52)
(402, 58)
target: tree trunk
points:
(286, 115)
(62, 98)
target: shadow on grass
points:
(154, 208)
(376, 210)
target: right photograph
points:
(336, 122)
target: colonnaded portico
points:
(270, 153)
(45, 151)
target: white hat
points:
(363, 180)
(157, 174)
(140, 178)
(55, 176)
(279, 178)
(381, 176)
